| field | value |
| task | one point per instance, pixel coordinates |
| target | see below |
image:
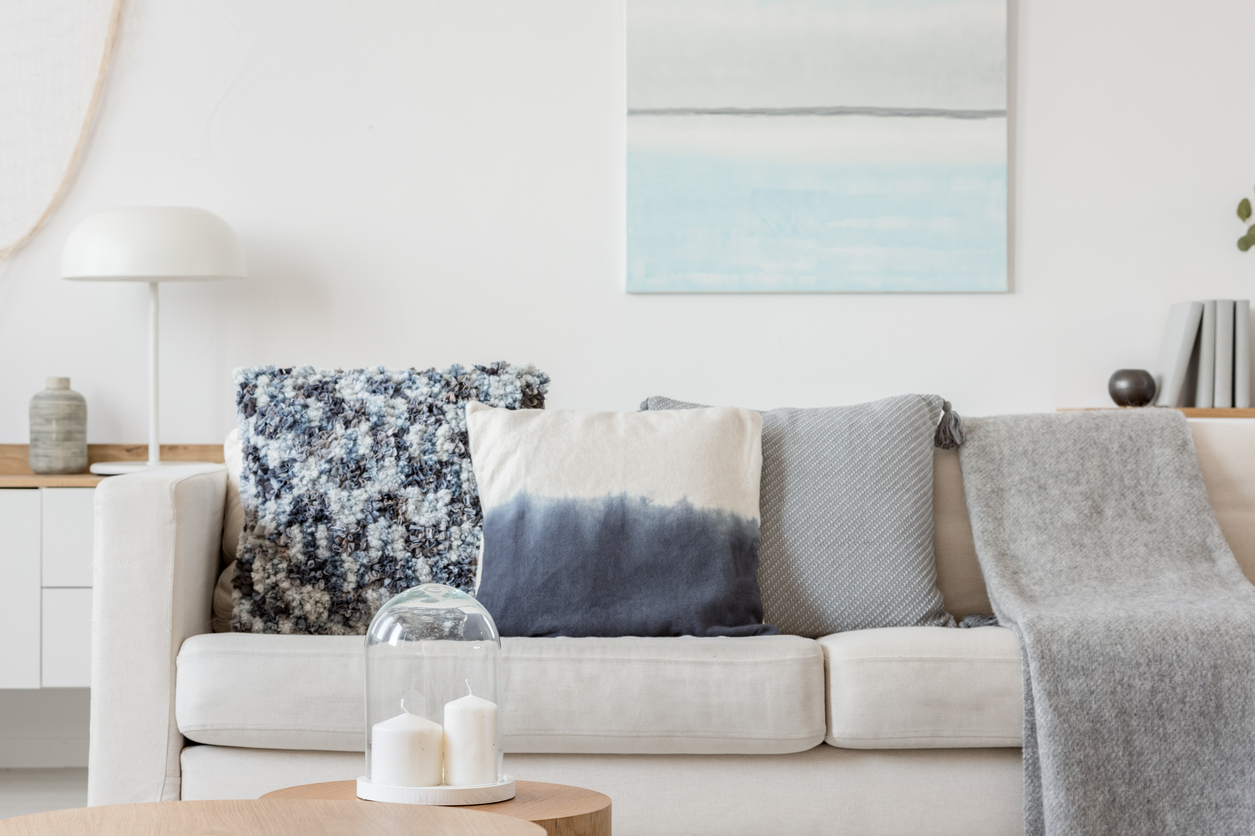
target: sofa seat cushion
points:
(924, 688)
(761, 695)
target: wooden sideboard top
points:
(1190, 411)
(15, 469)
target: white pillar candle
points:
(406, 751)
(470, 732)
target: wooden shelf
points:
(57, 480)
(15, 469)
(1189, 411)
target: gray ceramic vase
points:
(58, 419)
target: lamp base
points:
(442, 796)
(119, 468)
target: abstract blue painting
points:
(779, 146)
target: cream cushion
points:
(232, 527)
(233, 510)
(923, 688)
(959, 578)
(1226, 449)
(762, 695)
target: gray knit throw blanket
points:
(1136, 625)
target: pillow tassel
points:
(950, 429)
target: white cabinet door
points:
(67, 640)
(67, 536)
(19, 580)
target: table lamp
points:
(151, 244)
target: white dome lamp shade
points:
(151, 244)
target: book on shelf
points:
(1242, 354)
(1205, 381)
(1223, 393)
(1205, 357)
(1179, 338)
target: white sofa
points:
(893, 731)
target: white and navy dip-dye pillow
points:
(357, 485)
(619, 524)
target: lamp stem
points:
(154, 307)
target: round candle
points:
(470, 732)
(406, 751)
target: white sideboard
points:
(45, 560)
(46, 543)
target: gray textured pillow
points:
(847, 515)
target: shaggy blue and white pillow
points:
(357, 485)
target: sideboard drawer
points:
(67, 536)
(67, 638)
(19, 579)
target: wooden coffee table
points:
(559, 809)
(278, 817)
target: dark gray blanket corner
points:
(1137, 627)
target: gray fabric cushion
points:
(847, 516)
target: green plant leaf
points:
(1244, 209)
(1245, 242)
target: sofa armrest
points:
(157, 542)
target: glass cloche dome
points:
(433, 701)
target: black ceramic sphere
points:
(1132, 387)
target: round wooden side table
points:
(277, 817)
(561, 810)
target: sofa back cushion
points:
(233, 511)
(958, 572)
(1225, 449)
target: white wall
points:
(419, 183)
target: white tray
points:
(442, 795)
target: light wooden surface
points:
(272, 817)
(561, 810)
(1190, 411)
(15, 469)
(60, 480)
